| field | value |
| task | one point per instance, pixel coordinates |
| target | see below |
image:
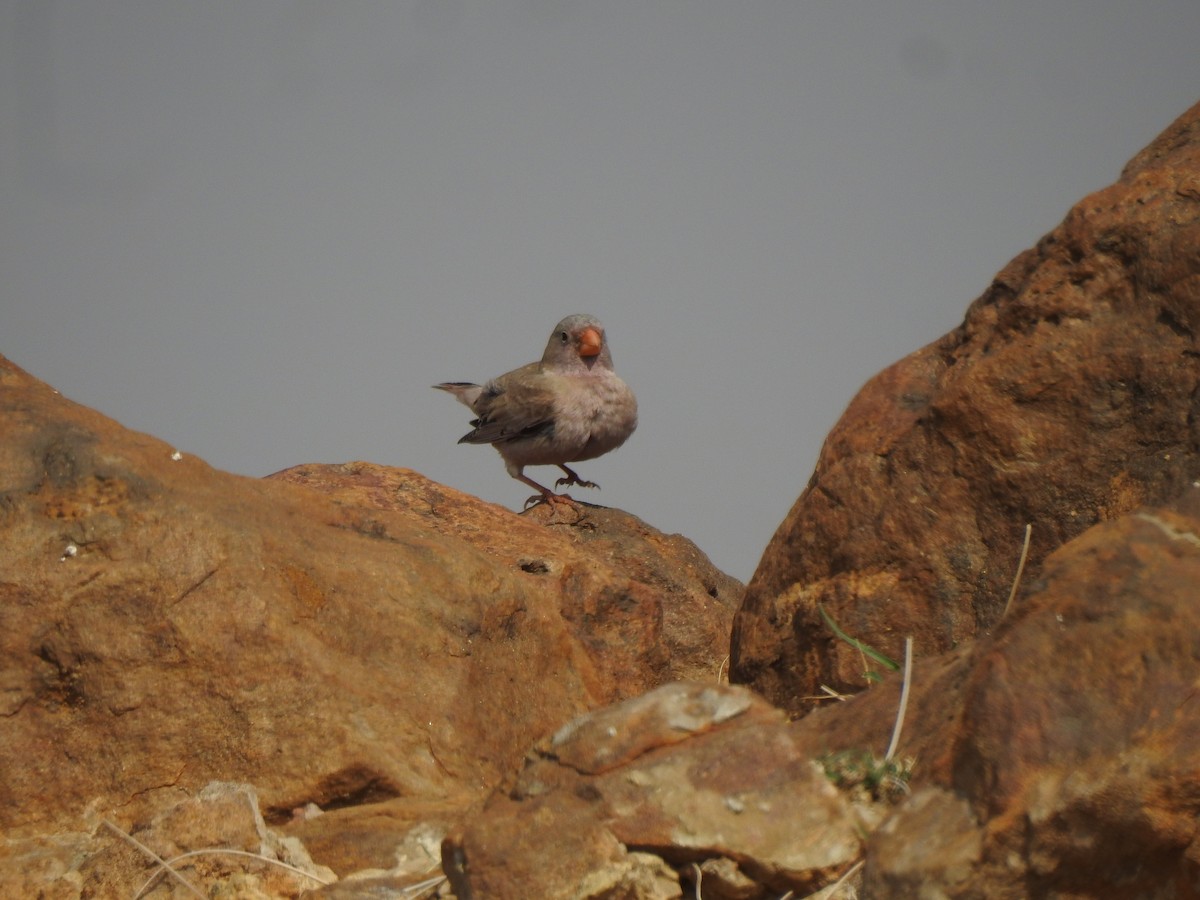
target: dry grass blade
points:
(416, 890)
(125, 836)
(829, 892)
(220, 851)
(827, 693)
(1020, 569)
(891, 750)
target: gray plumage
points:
(569, 407)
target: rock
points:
(1065, 398)
(215, 840)
(363, 636)
(46, 866)
(1057, 756)
(928, 848)
(695, 774)
(1053, 756)
(398, 839)
(1078, 737)
(640, 566)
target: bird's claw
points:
(557, 504)
(551, 500)
(573, 479)
(575, 482)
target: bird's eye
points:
(563, 336)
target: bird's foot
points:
(564, 510)
(552, 500)
(573, 479)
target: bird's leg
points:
(572, 478)
(543, 493)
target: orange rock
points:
(1065, 398)
(336, 635)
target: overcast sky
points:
(261, 230)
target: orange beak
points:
(590, 342)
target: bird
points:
(568, 407)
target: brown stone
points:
(1062, 749)
(217, 836)
(216, 839)
(1065, 398)
(1078, 741)
(624, 616)
(1057, 756)
(692, 773)
(929, 848)
(400, 837)
(337, 636)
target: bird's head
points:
(577, 343)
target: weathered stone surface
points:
(216, 839)
(1068, 735)
(1057, 756)
(692, 773)
(928, 848)
(399, 838)
(47, 865)
(638, 596)
(164, 624)
(1079, 743)
(1066, 397)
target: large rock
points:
(706, 783)
(1066, 397)
(638, 598)
(1071, 733)
(360, 637)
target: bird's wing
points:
(517, 405)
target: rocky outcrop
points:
(1056, 757)
(1067, 397)
(352, 639)
(640, 599)
(1049, 751)
(701, 779)
(1069, 733)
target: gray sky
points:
(261, 230)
